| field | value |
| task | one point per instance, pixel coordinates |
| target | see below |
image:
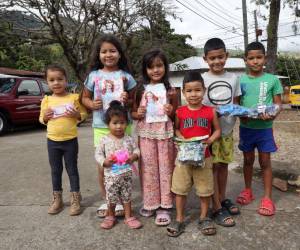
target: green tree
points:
(272, 29)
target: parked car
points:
(295, 96)
(20, 100)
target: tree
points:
(75, 24)
(272, 30)
(158, 33)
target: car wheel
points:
(3, 124)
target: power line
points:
(221, 8)
(203, 17)
(230, 21)
(223, 12)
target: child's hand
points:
(124, 98)
(48, 115)
(131, 159)
(266, 117)
(244, 119)
(141, 112)
(168, 108)
(109, 161)
(208, 142)
(97, 104)
(73, 113)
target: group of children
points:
(153, 150)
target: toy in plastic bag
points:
(237, 110)
(191, 152)
(120, 166)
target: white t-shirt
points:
(220, 90)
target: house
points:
(178, 69)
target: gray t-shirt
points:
(220, 90)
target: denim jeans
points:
(67, 150)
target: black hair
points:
(148, 59)
(214, 44)
(255, 46)
(115, 109)
(95, 62)
(55, 67)
(192, 76)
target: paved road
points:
(25, 193)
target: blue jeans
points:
(67, 150)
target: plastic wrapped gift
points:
(237, 110)
(191, 152)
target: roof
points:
(7, 76)
(19, 72)
(197, 62)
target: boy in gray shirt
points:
(221, 88)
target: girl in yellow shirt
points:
(61, 112)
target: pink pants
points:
(157, 165)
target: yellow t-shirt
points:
(62, 128)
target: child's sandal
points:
(119, 210)
(206, 226)
(102, 211)
(230, 206)
(245, 197)
(133, 223)
(175, 228)
(146, 213)
(163, 217)
(222, 216)
(267, 207)
(108, 222)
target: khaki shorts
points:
(184, 177)
(222, 149)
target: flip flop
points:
(162, 217)
(175, 228)
(102, 210)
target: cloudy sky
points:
(223, 19)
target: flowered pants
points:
(118, 187)
(157, 165)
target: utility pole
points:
(245, 23)
(256, 26)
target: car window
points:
(295, 91)
(6, 84)
(46, 89)
(32, 86)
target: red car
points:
(20, 100)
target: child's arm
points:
(135, 151)
(137, 113)
(128, 98)
(78, 112)
(171, 108)
(236, 100)
(88, 102)
(216, 128)
(177, 128)
(46, 113)
(100, 156)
